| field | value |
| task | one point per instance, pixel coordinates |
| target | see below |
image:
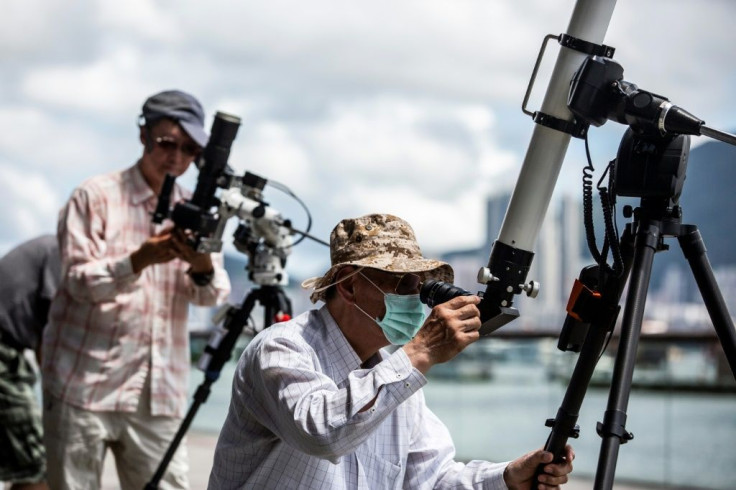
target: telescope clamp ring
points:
(573, 128)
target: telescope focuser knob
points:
(531, 289)
(485, 276)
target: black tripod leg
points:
(201, 395)
(564, 425)
(234, 325)
(276, 305)
(613, 429)
(694, 250)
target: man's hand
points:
(519, 473)
(450, 327)
(200, 262)
(167, 245)
(155, 250)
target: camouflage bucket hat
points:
(378, 241)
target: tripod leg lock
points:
(614, 424)
(574, 431)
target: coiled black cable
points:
(608, 203)
(588, 206)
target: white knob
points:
(531, 289)
(485, 276)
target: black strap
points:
(586, 47)
(573, 128)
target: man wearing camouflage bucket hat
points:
(316, 403)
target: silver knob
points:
(531, 289)
(485, 276)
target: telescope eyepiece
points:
(435, 292)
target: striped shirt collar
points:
(140, 191)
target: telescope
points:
(196, 214)
(262, 234)
(587, 88)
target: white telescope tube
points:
(512, 254)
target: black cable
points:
(588, 207)
(283, 188)
(608, 203)
(611, 239)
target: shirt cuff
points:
(123, 269)
(496, 481)
(399, 369)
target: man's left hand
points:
(200, 262)
(519, 473)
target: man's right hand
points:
(155, 250)
(449, 328)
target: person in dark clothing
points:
(29, 276)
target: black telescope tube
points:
(214, 159)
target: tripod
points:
(593, 308)
(276, 304)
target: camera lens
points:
(437, 292)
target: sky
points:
(410, 107)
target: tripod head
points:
(598, 93)
(262, 234)
(652, 157)
(651, 166)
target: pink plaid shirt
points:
(109, 328)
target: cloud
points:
(34, 200)
(63, 148)
(39, 31)
(92, 90)
(383, 153)
(140, 20)
(385, 140)
(272, 151)
(440, 224)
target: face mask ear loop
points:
(366, 314)
(373, 283)
(319, 290)
(379, 289)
